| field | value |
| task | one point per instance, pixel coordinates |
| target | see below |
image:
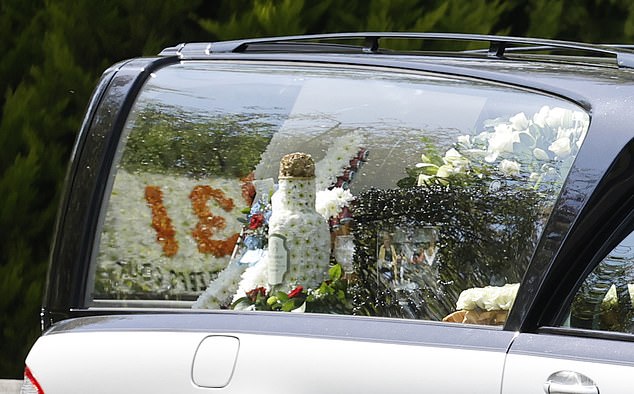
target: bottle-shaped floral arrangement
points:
(299, 237)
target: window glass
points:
(423, 196)
(604, 300)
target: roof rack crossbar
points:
(498, 45)
(496, 49)
(371, 44)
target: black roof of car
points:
(584, 73)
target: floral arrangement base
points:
(478, 316)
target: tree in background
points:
(52, 58)
(250, 18)
(54, 51)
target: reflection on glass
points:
(604, 301)
(430, 186)
(344, 251)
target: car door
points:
(592, 349)
(234, 353)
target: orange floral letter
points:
(208, 223)
(165, 233)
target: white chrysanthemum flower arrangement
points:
(129, 239)
(308, 261)
(337, 159)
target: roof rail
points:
(498, 45)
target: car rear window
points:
(330, 189)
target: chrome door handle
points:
(569, 382)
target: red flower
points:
(256, 221)
(295, 291)
(253, 294)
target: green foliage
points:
(37, 126)
(240, 19)
(53, 53)
(330, 297)
(586, 20)
(261, 18)
(164, 141)
(601, 303)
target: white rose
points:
(465, 140)
(488, 298)
(519, 121)
(330, 202)
(561, 148)
(540, 117)
(455, 159)
(467, 299)
(326, 204)
(491, 157)
(540, 154)
(509, 167)
(503, 139)
(507, 296)
(343, 196)
(559, 117)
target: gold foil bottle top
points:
(297, 165)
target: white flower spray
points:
(551, 134)
(329, 202)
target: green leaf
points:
(239, 301)
(288, 306)
(335, 272)
(281, 296)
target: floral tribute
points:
(329, 297)
(248, 267)
(340, 162)
(487, 305)
(533, 154)
(147, 242)
(256, 220)
(519, 148)
(301, 252)
(165, 233)
(208, 223)
(493, 187)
